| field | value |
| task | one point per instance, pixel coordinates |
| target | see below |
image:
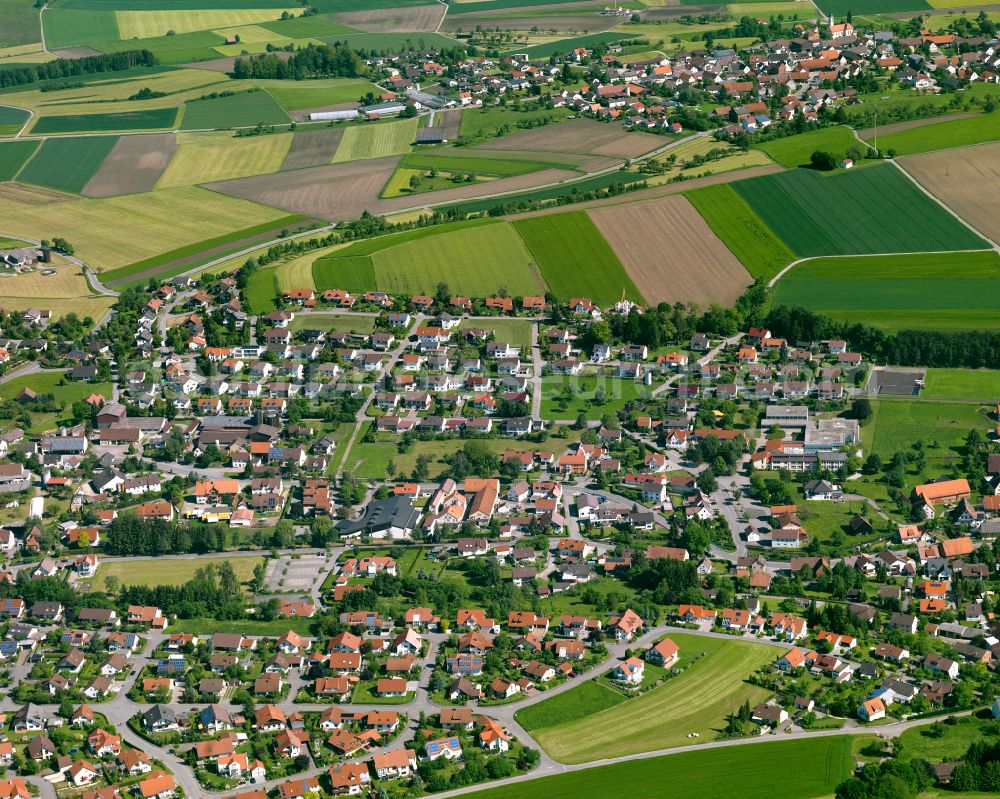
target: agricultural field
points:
(395, 20)
(206, 157)
(805, 769)
(160, 221)
(300, 95)
(575, 136)
(975, 384)
(66, 27)
(168, 571)
(947, 291)
(179, 49)
(711, 685)
(12, 120)
(841, 8)
(329, 322)
(312, 148)
(487, 122)
(475, 260)
(943, 135)
(65, 290)
(733, 220)
(793, 151)
(516, 332)
(671, 253)
(20, 23)
(459, 160)
(362, 142)
(575, 260)
(564, 46)
(134, 165)
(244, 109)
(67, 164)
(401, 183)
(956, 178)
(871, 210)
(99, 123)
(13, 155)
(153, 23)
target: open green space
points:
(153, 119)
(67, 164)
(575, 260)
(563, 46)
(13, 154)
(194, 46)
(20, 23)
(236, 110)
(943, 135)
(567, 396)
(475, 258)
(329, 322)
(711, 686)
(971, 384)
(872, 210)
(793, 151)
(254, 627)
(741, 230)
(804, 769)
(841, 8)
(12, 119)
(56, 384)
(896, 425)
(168, 571)
(66, 27)
(589, 698)
(298, 95)
(946, 291)
(516, 332)
(948, 740)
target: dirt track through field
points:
(578, 136)
(671, 253)
(961, 179)
(134, 165)
(312, 148)
(896, 127)
(415, 19)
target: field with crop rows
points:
(13, 154)
(299, 95)
(870, 210)
(67, 164)
(362, 142)
(154, 119)
(947, 291)
(236, 110)
(153, 23)
(204, 157)
(943, 135)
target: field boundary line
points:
(782, 273)
(946, 207)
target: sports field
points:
(67, 164)
(13, 155)
(741, 230)
(204, 157)
(974, 384)
(575, 260)
(159, 221)
(375, 141)
(793, 151)
(943, 135)
(243, 109)
(947, 291)
(153, 119)
(149, 24)
(871, 210)
(474, 260)
(168, 571)
(696, 701)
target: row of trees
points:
(69, 67)
(312, 61)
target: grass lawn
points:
(942, 135)
(48, 383)
(589, 698)
(941, 741)
(804, 769)
(935, 291)
(346, 323)
(516, 332)
(793, 151)
(616, 393)
(896, 424)
(883, 210)
(971, 384)
(741, 230)
(696, 701)
(168, 571)
(575, 260)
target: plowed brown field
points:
(578, 136)
(670, 253)
(134, 165)
(395, 20)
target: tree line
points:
(312, 61)
(68, 67)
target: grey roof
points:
(383, 514)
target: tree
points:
(706, 481)
(861, 409)
(823, 161)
